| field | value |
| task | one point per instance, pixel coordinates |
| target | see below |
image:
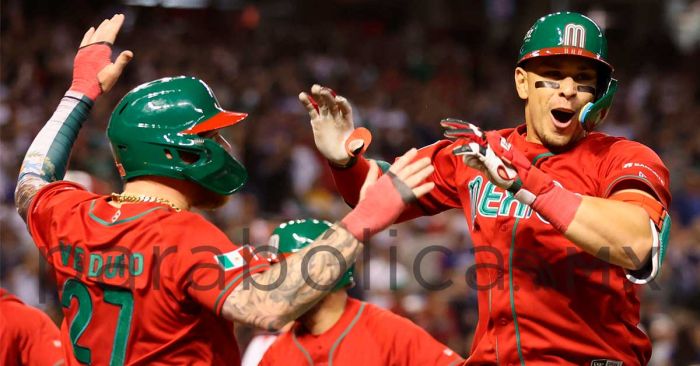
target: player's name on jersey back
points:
(113, 264)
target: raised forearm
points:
(273, 298)
(47, 157)
(615, 231)
(349, 181)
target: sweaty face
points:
(556, 88)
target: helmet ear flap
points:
(593, 114)
(188, 157)
(154, 131)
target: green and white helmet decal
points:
(161, 128)
(294, 235)
(574, 34)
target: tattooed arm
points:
(290, 288)
(93, 74)
(285, 292)
(47, 157)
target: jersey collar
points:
(352, 307)
(104, 213)
(533, 151)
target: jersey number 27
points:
(112, 295)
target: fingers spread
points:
(412, 168)
(309, 104)
(326, 102)
(87, 37)
(316, 90)
(402, 161)
(123, 59)
(98, 36)
(423, 189)
(344, 106)
(419, 176)
(108, 29)
(329, 97)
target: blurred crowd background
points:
(404, 65)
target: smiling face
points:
(555, 89)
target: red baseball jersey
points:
(141, 284)
(364, 335)
(27, 335)
(541, 298)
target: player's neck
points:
(326, 313)
(159, 188)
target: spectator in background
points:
(418, 60)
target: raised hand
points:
(383, 200)
(333, 127)
(93, 71)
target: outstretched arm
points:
(290, 288)
(336, 138)
(93, 74)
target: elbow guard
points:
(660, 223)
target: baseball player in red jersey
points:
(341, 330)
(565, 221)
(142, 280)
(27, 335)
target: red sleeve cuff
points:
(349, 180)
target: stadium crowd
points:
(404, 67)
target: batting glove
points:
(510, 169)
(476, 152)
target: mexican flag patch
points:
(235, 259)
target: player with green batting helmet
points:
(165, 128)
(568, 33)
(292, 236)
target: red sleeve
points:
(34, 337)
(269, 358)
(349, 182)
(631, 165)
(212, 266)
(411, 344)
(43, 342)
(51, 200)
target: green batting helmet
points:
(292, 236)
(574, 34)
(160, 129)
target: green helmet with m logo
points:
(573, 34)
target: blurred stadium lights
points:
(188, 4)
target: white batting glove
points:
(477, 153)
(334, 131)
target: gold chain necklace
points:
(127, 198)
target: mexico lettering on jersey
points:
(539, 294)
(144, 286)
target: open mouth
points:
(562, 116)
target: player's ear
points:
(521, 83)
